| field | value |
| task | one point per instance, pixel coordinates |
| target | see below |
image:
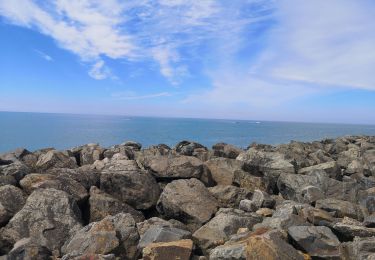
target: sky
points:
(279, 60)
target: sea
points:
(62, 131)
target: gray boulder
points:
(49, 218)
(330, 168)
(188, 201)
(157, 234)
(54, 159)
(341, 208)
(12, 200)
(102, 205)
(16, 170)
(124, 180)
(222, 170)
(226, 150)
(88, 154)
(188, 147)
(159, 222)
(86, 175)
(26, 249)
(229, 196)
(349, 228)
(318, 242)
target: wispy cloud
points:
(130, 95)
(44, 55)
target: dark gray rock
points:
(369, 221)
(124, 180)
(88, 154)
(102, 205)
(7, 180)
(188, 201)
(188, 147)
(16, 170)
(318, 241)
(49, 218)
(86, 175)
(226, 150)
(12, 200)
(263, 199)
(26, 249)
(349, 228)
(341, 208)
(330, 168)
(360, 248)
(229, 196)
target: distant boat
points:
(257, 122)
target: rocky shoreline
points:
(293, 201)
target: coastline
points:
(190, 201)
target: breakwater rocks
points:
(293, 201)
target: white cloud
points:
(99, 71)
(44, 55)
(130, 95)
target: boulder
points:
(318, 242)
(54, 159)
(360, 248)
(36, 181)
(12, 200)
(49, 218)
(229, 196)
(226, 150)
(26, 249)
(330, 168)
(251, 182)
(265, 212)
(162, 234)
(317, 217)
(88, 257)
(222, 170)
(14, 156)
(222, 226)
(188, 201)
(158, 222)
(248, 206)
(88, 154)
(180, 250)
(127, 182)
(263, 199)
(16, 170)
(86, 175)
(369, 221)
(7, 180)
(102, 205)
(188, 147)
(349, 228)
(341, 208)
(114, 234)
(174, 167)
(261, 244)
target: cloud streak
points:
(44, 55)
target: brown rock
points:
(176, 250)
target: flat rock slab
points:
(176, 250)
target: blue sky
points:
(285, 60)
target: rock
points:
(265, 212)
(126, 182)
(49, 218)
(36, 181)
(162, 234)
(86, 175)
(310, 194)
(134, 145)
(16, 170)
(229, 196)
(116, 234)
(226, 150)
(360, 248)
(188, 147)
(341, 208)
(248, 206)
(369, 221)
(88, 154)
(7, 180)
(222, 226)
(261, 244)
(174, 167)
(12, 200)
(222, 170)
(318, 241)
(316, 216)
(188, 201)
(14, 156)
(152, 151)
(88, 257)
(349, 228)
(330, 168)
(102, 205)
(26, 249)
(251, 182)
(263, 199)
(176, 250)
(54, 159)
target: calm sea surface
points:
(38, 130)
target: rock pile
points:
(293, 201)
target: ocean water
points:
(40, 130)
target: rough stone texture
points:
(229, 196)
(12, 200)
(330, 168)
(35, 181)
(316, 216)
(360, 248)
(255, 246)
(159, 222)
(369, 221)
(251, 182)
(263, 199)
(16, 170)
(349, 228)
(124, 180)
(88, 154)
(222, 170)
(26, 249)
(162, 234)
(88, 257)
(174, 167)
(188, 201)
(188, 147)
(86, 175)
(316, 241)
(223, 225)
(341, 208)
(54, 159)
(226, 150)
(7, 180)
(102, 205)
(49, 217)
(116, 234)
(176, 250)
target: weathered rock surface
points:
(88, 154)
(12, 200)
(162, 234)
(316, 241)
(188, 201)
(49, 217)
(222, 170)
(226, 150)
(229, 196)
(54, 159)
(341, 208)
(176, 250)
(125, 181)
(102, 205)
